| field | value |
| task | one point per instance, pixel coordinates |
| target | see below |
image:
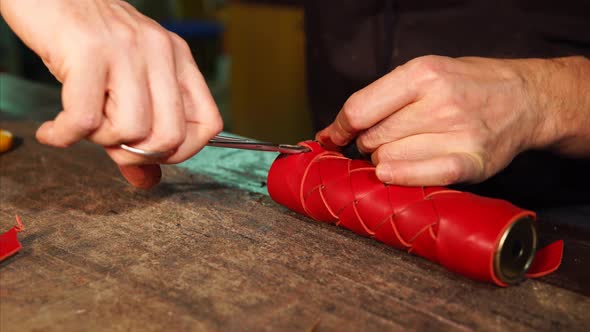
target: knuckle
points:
(365, 142)
(213, 127)
(156, 35)
(123, 4)
(180, 43)
(375, 159)
(88, 122)
(361, 143)
(426, 69)
(446, 88)
(379, 156)
(454, 170)
(171, 140)
(89, 45)
(431, 62)
(126, 35)
(216, 125)
(425, 64)
(92, 45)
(352, 111)
(136, 133)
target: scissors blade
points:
(247, 144)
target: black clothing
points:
(351, 43)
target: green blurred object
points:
(22, 99)
(9, 59)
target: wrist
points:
(553, 91)
(535, 75)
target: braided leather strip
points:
(458, 230)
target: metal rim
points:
(516, 251)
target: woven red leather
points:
(456, 229)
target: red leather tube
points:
(482, 238)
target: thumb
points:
(142, 176)
(83, 96)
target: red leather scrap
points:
(459, 230)
(9, 244)
(546, 260)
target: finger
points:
(324, 138)
(414, 119)
(143, 176)
(83, 96)
(370, 105)
(202, 116)
(438, 171)
(199, 136)
(128, 116)
(422, 146)
(169, 121)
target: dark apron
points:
(351, 43)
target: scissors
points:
(228, 142)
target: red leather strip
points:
(546, 260)
(9, 244)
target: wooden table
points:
(197, 253)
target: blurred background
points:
(250, 52)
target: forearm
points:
(559, 91)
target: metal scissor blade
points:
(227, 142)
(247, 144)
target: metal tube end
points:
(516, 251)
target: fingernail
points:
(384, 173)
(326, 141)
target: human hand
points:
(125, 80)
(439, 120)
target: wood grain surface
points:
(196, 254)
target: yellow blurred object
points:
(267, 86)
(5, 140)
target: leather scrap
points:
(547, 260)
(9, 244)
